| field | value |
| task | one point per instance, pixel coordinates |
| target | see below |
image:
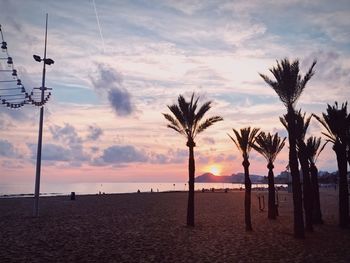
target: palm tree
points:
(289, 85)
(313, 150)
(244, 142)
(348, 142)
(187, 121)
(270, 146)
(336, 122)
(302, 123)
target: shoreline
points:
(218, 190)
(25, 190)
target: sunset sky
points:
(118, 66)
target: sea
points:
(56, 189)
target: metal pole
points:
(40, 137)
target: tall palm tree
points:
(289, 84)
(336, 122)
(302, 123)
(244, 141)
(187, 121)
(348, 142)
(270, 146)
(313, 150)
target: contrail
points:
(99, 26)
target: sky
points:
(118, 64)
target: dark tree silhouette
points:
(289, 85)
(186, 120)
(336, 122)
(302, 123)
(244, 142)
(348, 141)
(313, 150)
(270, 146)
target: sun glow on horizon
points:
(215, 169)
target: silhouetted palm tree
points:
(302, 123)
(289, 85)
(186, 120)
(244, 142)
(336, 122)
(348, 142)
(270, 146)
(313, 150)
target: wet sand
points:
(150, 227)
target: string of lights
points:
(13, 94)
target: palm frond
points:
(301, 125)
(268, 145)
(323, 123)
(235, 142)
(185, 119)
(207, 123)
(336, 121)
(308, 75)
(284, 122)
(200, 114)
(288, 83)
(244, 139)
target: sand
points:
(150, 227)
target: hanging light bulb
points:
(9, 61)
(3, 46)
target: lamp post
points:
(46, 61)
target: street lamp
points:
(47, 61)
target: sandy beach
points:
(150, 227)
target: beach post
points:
(46, 61)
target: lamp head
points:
(49, 61)
(37, 58)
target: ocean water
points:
(50, 189)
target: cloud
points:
(66, 134)
(120, 101)
(58, 153)
(111, 82)
(172, 156)
(22, 115)
(335, 24)
(122, 154)
(231, 157)
(6, 124)
(7, 149)
(10, 164)
(68, 146)
(208, 140)
(53, 152)
(95, 133)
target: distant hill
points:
(234, 178)
(324, 177)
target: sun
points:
(215, 169)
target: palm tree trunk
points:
(272, 207)
(294, 170)
(307, 190)
(316, 211)
(343, 185)
(247, 197)
(191, 172)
